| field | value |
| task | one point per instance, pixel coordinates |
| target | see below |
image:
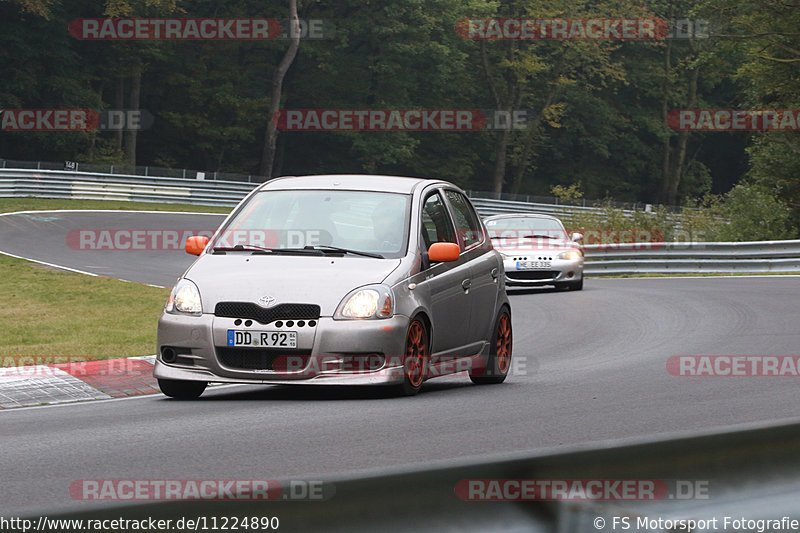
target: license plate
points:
(532, 265)
(266, 339)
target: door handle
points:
(495, 272)
(466, 284)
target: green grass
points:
(51, 312)
(8, 205)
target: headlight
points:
(572, 255)
(373, 301)
(184, 298)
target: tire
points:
(415, 358)
(182, 390)
(499, 362)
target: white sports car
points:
(537, 251)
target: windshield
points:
(525, 227)
(361, 221)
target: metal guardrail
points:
(100, 186)
(487, 207)
(749, 473)
(94, 186)
(612, 259)
(692, 257)
(122, 169)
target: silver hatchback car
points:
(339, 280)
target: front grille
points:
(532, 274)
(266, 315)
(277, 359)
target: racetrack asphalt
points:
(590, 367)
(80, 240)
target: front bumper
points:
(559, 271)
(333, 352)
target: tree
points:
(271, 136)
(536, 75)
(765, 33)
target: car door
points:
(445, 282)
(484, 266)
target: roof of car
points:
(357, 182)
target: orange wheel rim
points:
(416, 353)
(503, 343)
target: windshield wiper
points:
(242, 248)
(535, 236)
(310, 250)
(253, 248)
(336, 249)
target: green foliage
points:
(755, 214)
(567, 195)
(595, 108)
(749, 212)
(764, 34)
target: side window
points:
(436, 225)
(467, 221)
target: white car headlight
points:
(373, 301)
(571, 255)
(184, 298)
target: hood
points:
(321, 280)
(511, 245)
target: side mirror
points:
(577, 237)
(442, 252)
(196, 244)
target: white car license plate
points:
(266, 339)
(532, 265)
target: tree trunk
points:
(530, 137)
(500, 147)
(271, 137)
(133, 102)
(667, 149)
(119, 104)
(683, 141)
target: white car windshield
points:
(526, 227)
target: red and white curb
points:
(24, 386)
